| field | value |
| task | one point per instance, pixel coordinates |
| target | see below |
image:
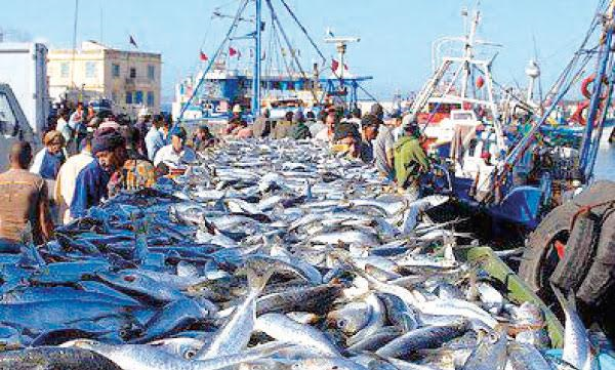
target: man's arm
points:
(420, 157)
(79, 204)
(44, 215)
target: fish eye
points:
(342, 323)
(130, 278)
(190, 354)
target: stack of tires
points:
(574, 249)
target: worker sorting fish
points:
(267, 254)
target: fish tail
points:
(257, 280)
(568, 304)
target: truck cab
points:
(13, 125)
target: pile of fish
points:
(264, 255)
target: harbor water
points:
(605, 163)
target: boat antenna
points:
(536, 59)
(75, 24)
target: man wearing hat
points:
(410, 160)
(109, 149)
(176, 153)
(48, 161)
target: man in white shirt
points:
(67, 178)
(176, 153)
(326, 134)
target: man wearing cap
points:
(370, 126)
(48, 161)
(109, 149)
(176, 153)
(67, 179)
(410, 160)
(23, 200)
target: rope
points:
(213, 59)
(305, 32)
(292, 54)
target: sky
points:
(396, 35)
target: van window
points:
(8, 122)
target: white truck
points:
(23, 75)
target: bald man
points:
(23, 200)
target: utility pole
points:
(256, 79)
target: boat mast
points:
(469, 54)
(256, 79)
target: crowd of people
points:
(395, 149)
(87, 158)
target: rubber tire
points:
(600, 280)
(580, 248)
(556, 223)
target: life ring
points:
(589, 81)
(578, 114)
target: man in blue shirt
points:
(109, 149)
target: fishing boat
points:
(500, 152)
(273, 75)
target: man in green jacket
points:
(410, 160)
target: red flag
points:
(345, 66)
(232, 52)
(204, 57)
(335, 65)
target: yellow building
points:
(130, 80)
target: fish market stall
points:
(271, 255)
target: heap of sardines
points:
(264, 255)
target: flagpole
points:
(256, 82)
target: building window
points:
(151, 72)
(150, 99)
(133, 72)
(64, 70)
(90, 70)
(139, 97)
(115, 70)
(129, 98)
